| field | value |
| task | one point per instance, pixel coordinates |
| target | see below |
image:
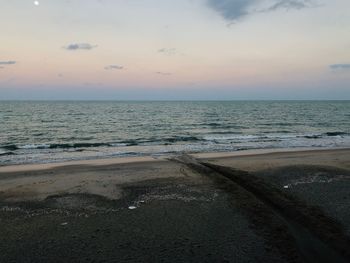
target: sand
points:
(252, 206)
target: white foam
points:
(35, 146)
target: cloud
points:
(340, 66)
(78, 46)
(7, 63)
(168, 51)
(163, 73)
(290, 4)
(231, 9)
(234, 10)
(114, 67)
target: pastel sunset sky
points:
(167, 49)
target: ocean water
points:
(41, 132)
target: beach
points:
(247, 206)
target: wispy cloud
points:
(79, 46)
(234, 10)
(114, 67)
(168, 51)
(7, 62)
(163, 73)
(340, 66)
(290, 4)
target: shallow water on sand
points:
(39, 132)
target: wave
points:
(268, 136)
(327, 134)
(336, 133)
(213, 124)
(181, 139)
(10, 147)
(283, 124)
(219, 137)
(157, 140)
(126, 143)
(224, 132)
(224, 137)
(313, 136)
(6, 153)
(77, 145)
(223, 125)
(13, 147)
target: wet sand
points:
(289, 206)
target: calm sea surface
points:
(39, 132)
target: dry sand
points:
(150, 210)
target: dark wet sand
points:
(277, 207)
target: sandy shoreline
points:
(207, 207)
(122, 160)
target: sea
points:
(57, 131)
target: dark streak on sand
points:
(317, 237)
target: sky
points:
(174, 50)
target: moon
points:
(36, 3)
